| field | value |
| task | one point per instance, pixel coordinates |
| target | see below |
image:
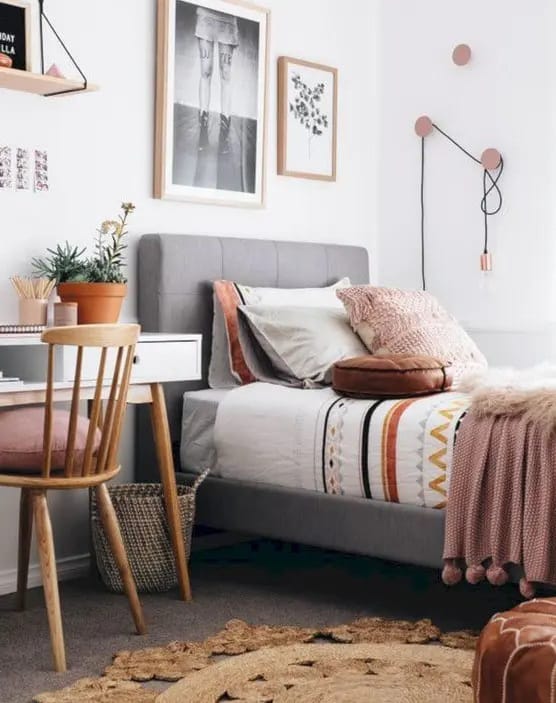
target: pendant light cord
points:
(487, 190)
(487, 176)
(423, 267)
(459, 146)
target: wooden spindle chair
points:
(88, 460)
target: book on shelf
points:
(21, 329)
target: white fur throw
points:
(505, 391)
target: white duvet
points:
(393, 450)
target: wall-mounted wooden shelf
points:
(38, 83)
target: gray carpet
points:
(262, 583)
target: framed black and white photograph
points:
(307, 119)
(211, 101)
(15, 34)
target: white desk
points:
(159, 358)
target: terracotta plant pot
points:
(97, 303)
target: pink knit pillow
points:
(392, 321)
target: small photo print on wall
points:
(15, 45)
(211, 98)
(22, 168)
(41, 171)
(6, 168)
(307, 119)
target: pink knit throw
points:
(502, 502)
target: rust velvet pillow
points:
(391, 376)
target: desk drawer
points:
(167, 361)
(154, 361)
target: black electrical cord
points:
(459, 146)
(493, 187)
(423, 276)
(483, 202)
(487, 176)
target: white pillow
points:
(227, 368)
(301, 344)
(298, 297)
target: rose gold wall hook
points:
(491, 159)
(461, 55)
(423, 126)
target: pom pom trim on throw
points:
(475, 574)
(527, 588)
(451, 574)
(497, 575)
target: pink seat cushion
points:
(21, 439)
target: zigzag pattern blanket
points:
(392, 450)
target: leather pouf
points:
(515, 660)
(391, 376)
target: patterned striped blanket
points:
(391, 450)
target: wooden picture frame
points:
(189, 164)
(304, 108)
(8, 46)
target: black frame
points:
(23, 8)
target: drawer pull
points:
(136, 359)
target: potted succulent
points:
(97, 283)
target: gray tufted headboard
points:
(175, 274)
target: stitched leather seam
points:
(367, 370)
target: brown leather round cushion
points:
(515, 657)
(391, 376)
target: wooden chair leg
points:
(113, 534)
(24, 549)
(45, 544)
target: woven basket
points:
(142, 517)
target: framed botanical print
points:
(211, 101)
(307, 119)
(15, 34)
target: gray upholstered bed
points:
(175, 295)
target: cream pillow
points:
(300, 344)
(393, 321)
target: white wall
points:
(504, 98)
(101, 145)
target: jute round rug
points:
(370, 659)
(333, 673)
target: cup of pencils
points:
(33, 296)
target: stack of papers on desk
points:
(9, 382)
